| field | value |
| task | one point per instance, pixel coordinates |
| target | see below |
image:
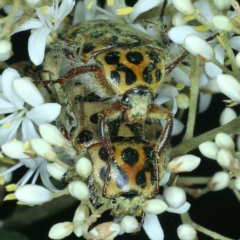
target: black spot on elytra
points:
(87, 47)
(92, 97)
(103, 154)
(122, 178)
(84, 136)
(112, 58)
(154, 56)
(130, 76)
(134, 57)
(158, 74)
(147, 77)
(149, 153)
(130, 156)
(114, 128)
(115, 76)
(134, 129)
(102, 173)
(77, 99)
(97, 34)
(149, 164)
(141, 179)
(94, 118)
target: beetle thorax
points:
(136, 104)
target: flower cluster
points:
(42, 111)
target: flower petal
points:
(177, 127)
(45, 177)
(6, 107)
(142, 6)
(184, 208)
(8, 134)
(235, 43)
(7, 78)
(25, 89)
(64, 9)
(211, 69)
(204, 101)
(32, 23)
(28, 130)
(178, 34)
(152, 227)
(45, 113)
(36, 45)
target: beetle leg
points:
(108, 114)
(159, 113)
(176, 62)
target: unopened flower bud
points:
(61, 230)
(178, 19)
(33, 194)
(129, 224)
(209, 149)
(107, 230)
(81, 213)
(44, 149)
(223, 140)
(222, 5)
(185, 163)
(218, 181)
(155, 206)
(184, 6)
(5, 50)
(52, 135)
(222, 23)
(199, 47)
(84, 167)
(229, 86)
(79, 230)
(186, 232)
(237, 183)
(175, 197)
(16, 149)
(26, 90)
(225, 158)
(237, 58)
(227, 115)
(79, 190)
(55, 170)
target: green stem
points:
(194, 90)
(183, 148)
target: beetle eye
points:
(126, 101)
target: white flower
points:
(21, 119)
(12, 102)
(49, 19)
(88, 10)
(152, 225)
